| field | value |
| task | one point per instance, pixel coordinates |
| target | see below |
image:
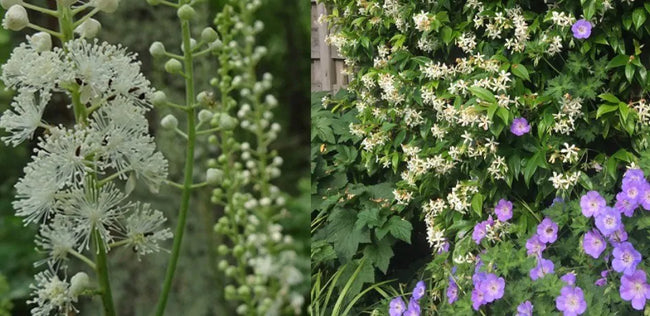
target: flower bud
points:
(169, 122)
(157, 49)
(223, 250)
(192, 45)
(78, 283)
(227, 122)
(108, 6)
(89, 28)
(205, 98)
(244, 291)
(16, 18)
(159, 98)
(271, 100)
(41, 41)
(173, 66)
(214, 176)
(186, 12)
(6, 4)
(205, 115)
(209, 35)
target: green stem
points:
(83, 258)
(189, 168)
(102, 275)
(65, 23)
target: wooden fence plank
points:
(326, 63)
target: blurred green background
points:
(198, 286)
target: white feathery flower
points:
(67, 149)
(25, 117)
(92, 210)
(36, 192)
(57, 239)
(29, 68)
(105, 71)
(51, 294)
(144, 229)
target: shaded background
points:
(198, 285)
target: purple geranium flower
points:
(418, 291)
(569, 278)
(571, 301)
(593, 243)
(503, 210)
(396, 307)
(618, 236)
(481, 229)
(603, 280)
(525, 309)
(478, 298)
(413, 308)
(547, 231)
(634, 288)
(534, 246)
(608, 221)
(492, 287)
(544, 267)
(591, 203)
(633, 176)
(581, 29)
(625, 204)
(452, 291)
(644, 196)
(625, 258)
(520, 126)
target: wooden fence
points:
(326, 63)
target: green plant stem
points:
(65, 23)
(102, 275)
(83, 258)
(189, 164)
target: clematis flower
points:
(581, 29)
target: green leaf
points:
(398, 227)
(379, 254)
(609, 98)
(638, 17)
(446, 34)
(629, 72)
(624, 110)
(606, 108)
(483, 94)
(477, 203)
(343, 235)
(520, 71)
(369, 217)
(537, 160)
(618, 61)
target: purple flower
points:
(603, 280)
(418, 291)
(608, 220)
(593, 244)
(525, 309)
(444, 248)
(519, 126)
(544, 267)
(618, 236)
(634, 288)
(571, 301)
(452, 291)
(547, 231)
(625, 204)
(396, 307)
(633, 176)
(492, 287)
(581, 29)
(591, 203)
(625, 258)
(644, 196)
(480, 230)
(534, 246)
(503, 210)
(477, 298)
(413, 308)
(569, 278)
